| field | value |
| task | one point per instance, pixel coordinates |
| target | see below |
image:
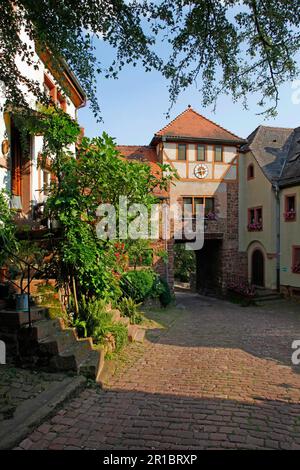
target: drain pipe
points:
(277, 222)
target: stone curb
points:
(33, 411)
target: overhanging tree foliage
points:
(232, 46)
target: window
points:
(296, 260)
(255, 219)
(52, 92)
(218, 153)
(50, 88)
(209, 205)
(290, 208)
(61, 101)
(208, 202)
(181, 152)
(250, 172)
(201, 150)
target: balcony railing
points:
(211, 226)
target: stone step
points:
(132, 332)
(71, 358)
(268, 298)
(136, 333)
(58, 342)
(93, 365)
(140, 336)
(116, 315)
(45, 328)
(125, 321)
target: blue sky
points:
(134, 107)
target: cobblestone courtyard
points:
(220, 377)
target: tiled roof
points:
(270, 146)
(291, 170)
(144, 154)
(191, 124)
(138, 152)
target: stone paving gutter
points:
(27, 398)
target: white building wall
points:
(37, 142)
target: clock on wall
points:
(201, 171)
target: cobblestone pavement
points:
(220, 377)
(18, 385)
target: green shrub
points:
(8, 238)
(94, 320)
(120, 334)
(142, 285)
(93, 313)
(184, 263)
(138, 285)
(165, 294)
(129, 308)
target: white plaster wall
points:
(290, 236)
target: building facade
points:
(206, 157)
(269, 197)
(20, 172)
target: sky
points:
(134, 107)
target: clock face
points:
(201, 171)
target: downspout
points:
(165, 221)
(277, 225)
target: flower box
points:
(296, 268)
(211, 216)
(256, 227)
(289, 215)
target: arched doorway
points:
(258, 268)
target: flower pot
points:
(22, 304)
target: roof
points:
(291, 170)
(270, 146)
(144, 154)
(192, 125)
(138, 152)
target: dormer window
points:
(250, 172)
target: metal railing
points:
(29, 269)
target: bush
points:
(142, 285)
(138, 285)
(94, 320)
(165, 296)
(7, 228)
(129, 308)
(184, 263)
(120, 334)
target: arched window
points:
(250, 172)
